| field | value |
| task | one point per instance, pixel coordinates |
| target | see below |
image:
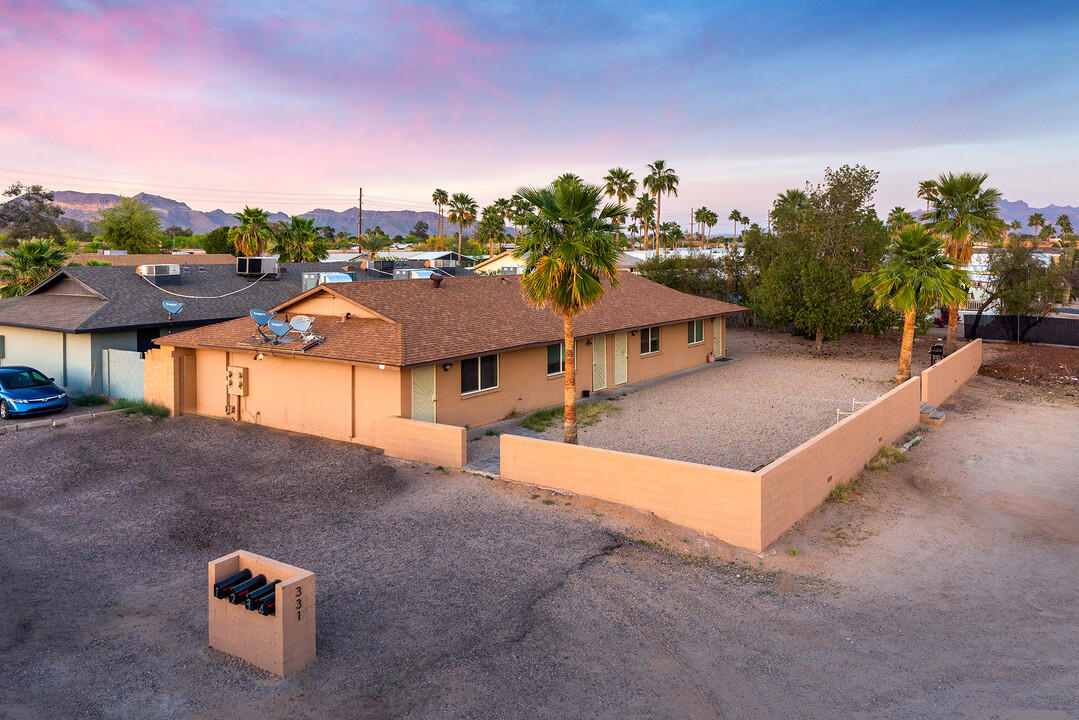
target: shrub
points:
(89, 400)
(887, 456)
(542, 419)
(141, 407)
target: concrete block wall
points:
(282, 643)
(424, 442)
(161, 383)
(719, 501)
(945, 377)
(797, 482)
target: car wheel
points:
(5, 414)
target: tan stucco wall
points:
(330, 306)
(719, 501)
(524, 386)
(945, 377)
(797, 482)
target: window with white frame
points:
(696, 331)
(649, 341)
(556, 359)
(479, 373)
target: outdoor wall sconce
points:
(446, 367)
(381, 366)
(712, 319)
(259, 356)
(588, 343)
(632, 332)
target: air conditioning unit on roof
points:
(256, 266)
(157, 270)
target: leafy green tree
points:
(175, 231)
(421, 231)
(962, 211)
(620, 185)
(661, 180)
(253, 234)
(806, 267)
(789, 210)
(300, 241)
(913, 278)
(1022, 285)
(462, 213)
(27, 264)
(130, 225)
(31, 213)
(75, 231)
(570, 254)
(441, 199)
(373, 242)
(217, 242)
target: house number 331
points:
(299, 601)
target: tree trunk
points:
(953, 330)
(978, 317)
(818, 347)
(569, 430)
(910, 319)
(657, 223)
(460, 233)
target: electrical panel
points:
(236, 380)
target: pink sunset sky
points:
(293, 106)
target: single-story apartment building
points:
(454, 351)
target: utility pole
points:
(359, 225)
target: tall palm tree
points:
(518, 206)
(504, 208)
(927, 190)
(701, 217)
(899, 218)
(300, 241)
(27, 264)
(962, 211)
(661, 180)
(737, 217)
(913, 278)
(1016, 227)
(462, 213)
(490, 225)
(620, 185)
(710, 221)
(644, 214)
(790, 210)
(252, 235)
(570, 254)
(440, 198)
(1036, 221)
(1065, 224)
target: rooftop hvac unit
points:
(160, 274)
(512, 270)
(256, 266)
(386, 266)
(314, 279)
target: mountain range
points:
(85, 206)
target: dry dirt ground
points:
(747, 413)
(947, 590)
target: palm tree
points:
(913, 278)
(790, 210)
(899, 218)
(1065, 224)
(490, 225)
(1036, 221)
(253, 233)
(440, 198)
(710, 221)
(505, 211)
(27, 264)
(620, 185)
(299, 241)
(659, 181)
(569, 177)
(462, 212)
(961, 211)
(927, 190)
(644, 213)
(737, 217)
(518, 206)
(373, 242)
(701, 217)
(569, 254)
(1016, 227)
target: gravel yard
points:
(943, 591)
(746, 413)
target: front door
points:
(621, 359)
(719, 337)
(423, 393)
(599, 363)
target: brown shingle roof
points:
(465, 317)
(155, 259)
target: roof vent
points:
(436, 281)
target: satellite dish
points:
(172, 306)
(302, 323)
(261, 317)
(279, 328)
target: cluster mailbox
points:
(263, 611)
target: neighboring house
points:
(62, 325)
(436, 257)
(506, 264)
(124, 259)
(456, 351)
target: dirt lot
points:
(747, 413)
(1042, 365)
(947, 590)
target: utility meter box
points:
(236, 380)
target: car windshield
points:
(23, 379)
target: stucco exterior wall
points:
(39, 349)
(73, 359)
(722, 502)
(945, 377)
(797, 482)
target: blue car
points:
(25, 391)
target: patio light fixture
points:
(446, 367)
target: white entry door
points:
(599, 363)
(719, 337)
(621, 359)
(423, 393)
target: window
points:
(556, 359)
(479, 373)
(649, 340)
(696, 331)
